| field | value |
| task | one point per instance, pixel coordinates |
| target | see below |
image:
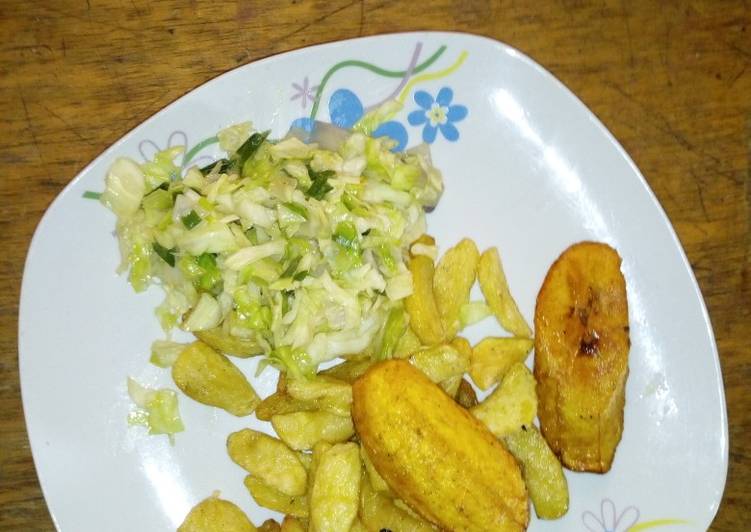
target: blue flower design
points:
(346, 109)
(437, 114)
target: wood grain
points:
(672, 81)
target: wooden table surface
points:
(671, 80)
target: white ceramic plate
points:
(528, 169)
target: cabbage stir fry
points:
(295, 247)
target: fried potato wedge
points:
(216, 515)
(581, 360)
(378, 512)
(335, 495)
(281, 403)
(212, 379)
(493, 357)
(273, 499)
(348, 370)
(421, 305)
(302, 430)
(225, 343)
(454, 276)
(332, 395)
(440, 362)
(512, 405)
(318, 450)
(496, 291)
(269, 460)
(542, 472)
(465, 395)
(434, 454)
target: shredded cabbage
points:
(157, 409)
(295, 246)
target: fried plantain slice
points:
(581, 355)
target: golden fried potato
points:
(465, 394)
(454, 276)
(348, 370)
(440, 362)
(302, 430)
(512, 405)
(269, 525)
(216, 515)
(273, 499)
(336, 489)
(378, 512)
(581, 355)
(269, 460)
(318, 451)
(496, 291)
(292, 524)
(408, 344)
(434, 454)
(210, 378)
(331, 395)
(542, 472)
(421, 306)
(228, 344)
(493, 357)
(281, 403)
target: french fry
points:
(225, 343)
(378, 512)
(542, 472)
(269, 525)
(281, 403)
(348, 370)
(211, 378)
(466, 395)
(454, 276)
(463, 346)
(496, 291)
(440, 362)
(216, 515)
(269, 460)
(274, 499)
(492, 358)
(421, 305)
(322, 393)
(336, 489)
(512, 405)
(331, 395)
(318, 451)
(302, 430)
(292, 524)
